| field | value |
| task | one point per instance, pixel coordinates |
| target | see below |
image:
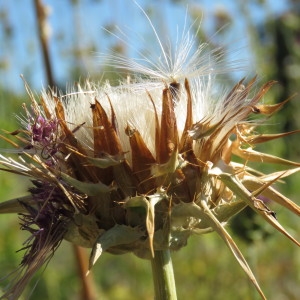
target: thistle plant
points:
(142, 166)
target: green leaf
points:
(91, 189)
(148, 203)
(118, 235)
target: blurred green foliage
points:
(205, 269)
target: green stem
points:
(163, 276)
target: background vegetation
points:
(205, 269)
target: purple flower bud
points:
(44, 131)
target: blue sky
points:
(21, 54)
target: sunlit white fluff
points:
(149, 74)
(132, 107)
(175, 60)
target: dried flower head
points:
(142, 166)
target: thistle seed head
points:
(142, 166)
